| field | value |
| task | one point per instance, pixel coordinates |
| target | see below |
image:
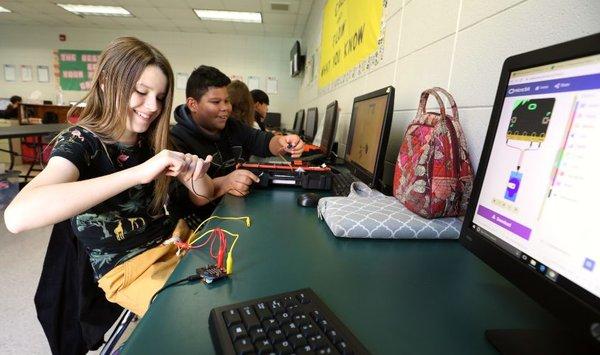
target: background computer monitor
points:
(368, 135)
(329, 125)
(4, 103)
(273, 120)
(312, 122)
(533, 211)
(299, 122)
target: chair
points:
(70, 306)
(126, 318)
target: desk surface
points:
(31, 130)
(408, 296)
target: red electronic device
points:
(297, 173)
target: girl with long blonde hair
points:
(110, 173)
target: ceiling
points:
(165, 15)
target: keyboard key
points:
(333, 336)
(290, 329)
(263, 312)
(316, 316)
(297, 341)
(276, 336)
(237, 332)
(283, 318)
(309, 330)
(250, 318)
(257, 334)
(303, 298)
(301, 319)
(343, 348)
(244, 346)
(263, 347)
(270, 324)
(276, 307)
(232, 317)
(289, 301)
(317, 342)
(306, 349)
(283, 348)
(324, 325)
(293, 310)
(326, 350)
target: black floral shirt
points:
(121, 227)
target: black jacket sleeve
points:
(254, 141)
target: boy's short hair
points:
(202, 78)
(260, 96)
(14, 99)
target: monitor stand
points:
(533, 341)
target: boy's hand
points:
(238, 182)
(292, 144)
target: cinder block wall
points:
(456, 44)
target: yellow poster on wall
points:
(349, 35)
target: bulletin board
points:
(77, 68)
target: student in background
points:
(242, 106)
(110, 175)
(204, 128)
(12, 110)
(261, 107)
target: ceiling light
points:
(3, 9)
(234, 16)
(96, 10)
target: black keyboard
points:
(296, 322)
(341, 183)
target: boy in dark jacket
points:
(203, 127)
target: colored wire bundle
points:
(213, 235)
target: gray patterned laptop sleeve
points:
(368, 213)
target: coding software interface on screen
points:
(540, 192)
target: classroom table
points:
(399, 296)
(35, 130)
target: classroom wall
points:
(456, 44)
(232, 54)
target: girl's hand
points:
(196, 167)
(166, 162)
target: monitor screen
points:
(298, 122)
(368, 134)
(295, 59)
(311, 126)
(538, 197)
(4, 103)
(330, 121)
(273, 120)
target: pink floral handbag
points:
(433, 176)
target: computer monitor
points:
(533, 211)
(368, 135)
(312, 122)
(4, 103)
(330, 121)
(273, 120)
(298, 122)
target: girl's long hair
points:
(242, 105)
(119, 68)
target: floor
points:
(21, 259)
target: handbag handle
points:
(450, 100)
(434, 92)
